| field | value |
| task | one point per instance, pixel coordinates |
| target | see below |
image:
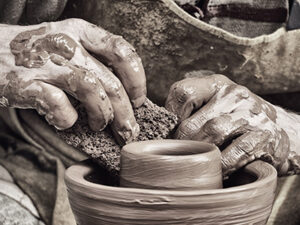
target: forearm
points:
(290, 122)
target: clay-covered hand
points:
(245, 127)
(39, 63)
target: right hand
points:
(38, 63)
(216, 110)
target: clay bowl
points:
(171, 164)
(246, 198)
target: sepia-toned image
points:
(149, 112)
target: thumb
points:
(190, 94)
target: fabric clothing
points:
(31, 11)
(38, 170)
(16, 206)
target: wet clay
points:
(171, 164)
(78, 81)
(243, 125)
(249, 202)
(83, 77)
(155, 123)
(122, 57)
(36, 55)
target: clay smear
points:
(79, 74)
(39, 52)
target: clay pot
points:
(246, 198)
(171, 164)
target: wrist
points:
(290, 123)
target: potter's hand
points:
(38, 63)
(243, 125)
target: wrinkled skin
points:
(41, 63)
(245, 127)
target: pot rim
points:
(139, 148)
(74, 177)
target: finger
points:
(124, 125)
(85, 87)
(280, 153)
(245, 149)
(49, 10)
(118, 54)
(47, 100)
(58, 109)
(190, 94)
(223, 128)
(227, 100)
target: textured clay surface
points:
(155, 123)
(242, 204)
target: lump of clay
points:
(155, 123)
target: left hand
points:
(242, 124)
(39, 64)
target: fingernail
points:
(126, 134)
(138, 101)
(97, 125)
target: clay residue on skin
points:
(83, 85)
(37, 54)
(30, 93)
(15, 91)
(122, 57)
(85, 78)
(132, 64)
(241, 123)
(4, 102)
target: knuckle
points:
(173, 87)
(115, 88)
(75, 22)
(117, 40)
(184, 125)
(181, 91)
(183, 129)
(121, 48)
(219, 77)
(236, 90)
(90, 79)
(241, 89)
(187, 128)
(213, 127)
(222, 78)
